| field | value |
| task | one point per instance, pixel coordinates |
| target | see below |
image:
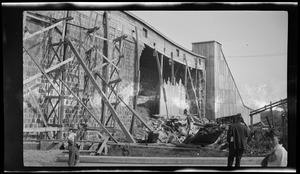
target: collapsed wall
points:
(60, 108)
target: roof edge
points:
(159, 33)
(206, 42)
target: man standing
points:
(236, 138)
(278, 155)
(73, 151)
(190, 121)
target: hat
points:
(73, 127)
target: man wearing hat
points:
(73, 151)
(236, 138)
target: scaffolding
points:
(62, 63)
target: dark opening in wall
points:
(177, 52)
(148, 97)
(145, 32)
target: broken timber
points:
(190, 76)
(161, 79)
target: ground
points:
(40, 157)
(47, 157)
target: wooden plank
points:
(43, 30)
(103, 145)
(43, 129)
(90, 75)
(47, 70)
(99, 37)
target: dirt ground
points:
(48, 157)
(40, 157)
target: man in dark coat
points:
(236, 138)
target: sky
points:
(254, 44)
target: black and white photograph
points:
(179, 90)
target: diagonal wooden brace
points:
(47, 70)
(136, 114)
(190, 76)
(88, 72)
(43, 30)
(108, 60)
(43, 71)
(98, 121)
(103, 146)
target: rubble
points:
(176, 130)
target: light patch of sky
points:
(254, 43)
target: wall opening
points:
(148, 96)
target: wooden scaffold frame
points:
(68, 57)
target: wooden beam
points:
(90, 75)
(103, 145)
(43, 129)
(63, 51)
(136, 77)
(190, 76)
(24, 22)
(268, 106)
(271, 113)
(96, 119)
(43, 30)
(99, 37)
(161, 79)
(105, 69)
(47, 70)
(172, 70)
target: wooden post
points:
(251, 122)
(196, 84)
(136, 77)
(271, 113)
(24, 22)
(161, 80)
(63, 48)
(185, 78)
(105, 68)
(283, 115)
(193, 88)
(172, 70)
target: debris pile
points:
(209, 133)
(177, 130)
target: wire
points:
(262, 55)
